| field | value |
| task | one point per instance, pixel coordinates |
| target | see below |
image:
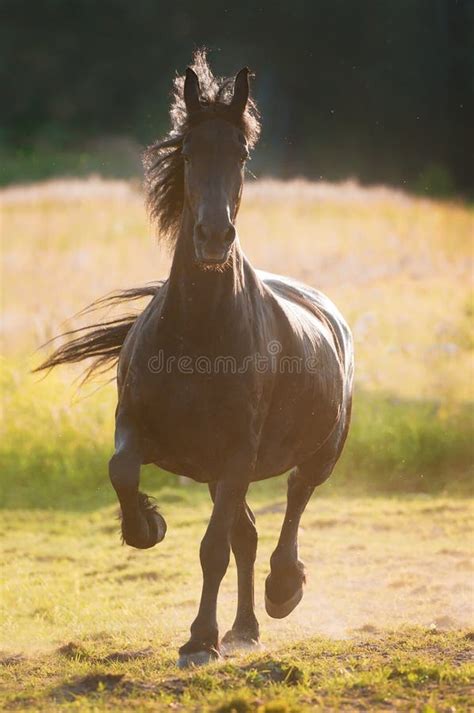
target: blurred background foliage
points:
(373, 89)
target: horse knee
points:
(124, 471)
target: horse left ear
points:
(241, 91)
(191, 91)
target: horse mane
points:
(163, 162)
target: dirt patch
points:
(465, 564)
(398, 583)
(443, 508)
(328, 522)
(276, 671)
(356, 548)
(93, 683)
(75, 652)
(122, 656)
(119, 567)
(53, 558)
(444, 623)
(176, 686)
(136, 576)
(367, 629)
(11, 659)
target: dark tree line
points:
(378, 89)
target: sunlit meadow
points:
(385, 620)
(398, 267)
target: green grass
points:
(408, 446)
(88, 625)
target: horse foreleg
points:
(142, 524)
(203, 645)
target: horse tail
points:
(101, 341)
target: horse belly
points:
(194, 427)
(299, 422)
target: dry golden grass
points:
(398, 267)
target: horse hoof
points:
(151, 528)
(155, 531)
(280, 611)
(233, 642)
(157, 526)
(198, 658)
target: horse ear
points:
(191, 91)
(241, 91)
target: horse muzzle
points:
(212, 246)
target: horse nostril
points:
(229, 234)
(209, 236)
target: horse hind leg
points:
(285, 583)
(142, 525)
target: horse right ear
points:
(241, 92)
(191, 91)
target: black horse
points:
(229, 375)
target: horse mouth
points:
(214, 264)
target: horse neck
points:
(199, 300)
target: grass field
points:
(386, 622)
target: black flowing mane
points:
(163, 162)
